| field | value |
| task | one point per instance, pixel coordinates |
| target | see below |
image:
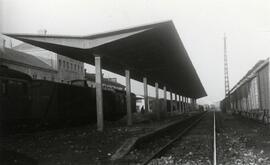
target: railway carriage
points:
(32, 103)
(250, 96)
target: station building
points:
(27, 64)
(108, 83)
(67, 68)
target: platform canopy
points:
(154, 51)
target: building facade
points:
(108, 83)
(67, 69)
(27, 64)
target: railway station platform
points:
(238, 141)
(79, 145)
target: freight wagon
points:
(250, 96)
(24, 101)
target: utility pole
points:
(226, 76)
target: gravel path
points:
(74, 145)
(239, 141)
(242, 141)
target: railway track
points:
(194, 145)
(195, 134)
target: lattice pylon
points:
(226, 74)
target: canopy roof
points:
(154, 51)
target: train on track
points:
(250, 96)
(26, 102)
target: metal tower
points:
(226, 76)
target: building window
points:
(64, 64)
(3, 88)
(34, 76)
(71, 66)
(59, 63)
(44, 78)
(67, 65)
(75, 66)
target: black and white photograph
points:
(134, 82)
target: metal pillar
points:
(195, 103)
(185, 104)
(165, 98)
(99, 96)
(192, 104)
(145, 94)
(188, 104)
(179, 103)
(128, 98)
(175, 99)
(226, 76)
(171, 101)
(157, 101)
(156, 87)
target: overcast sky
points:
(200, 24)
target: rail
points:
(167, 145)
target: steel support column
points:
(171, 102)
(175, 100)
(185, 104)
(146, 103)
(128, 98)
(179, 103)
(157, 101)
(195, 103)
(192, 104)
(156, 89)
(188, 108)
(165, 98)
(99, 96)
